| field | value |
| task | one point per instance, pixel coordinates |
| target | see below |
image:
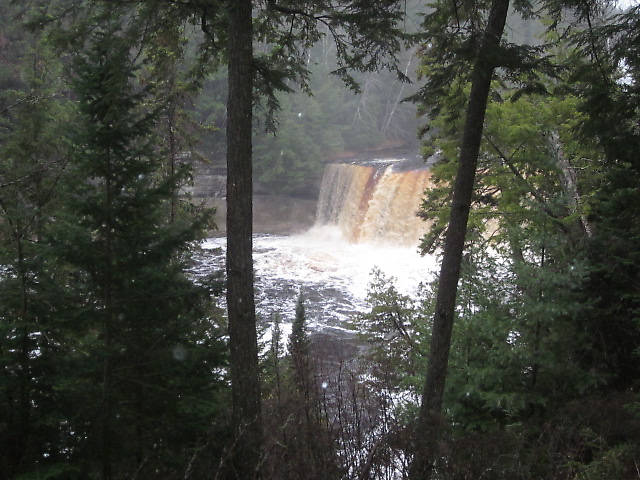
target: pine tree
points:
(31, 161)
(145, 346)
(606, 74)
(299, 348)
(366, 36)
(309, 447)
(430, 410)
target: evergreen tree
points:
(606, 71)
(299, 346)
(289, 31)
(145, 347)
(483, 67)
(366, 37)
(274, 369)
(310, 448)
(32, 160)
(453, 32)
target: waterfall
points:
(375, 204)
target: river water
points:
(332, 273)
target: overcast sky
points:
(627, 3)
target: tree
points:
(555, 221)
(605, 71)
(146, 343)
(299, 349)
(428, 422)
(32, 161)
(284, 29)
(240, 300)
(299, 440)
(366, 37)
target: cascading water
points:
(366, 219)
(373, 203)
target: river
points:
(332, 273)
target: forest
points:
(519, 360)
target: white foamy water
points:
(332, 273)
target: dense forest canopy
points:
(519, 361)
(318, 123)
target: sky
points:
(627, 3)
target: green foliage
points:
(608, 89)
(300, 48)
(451, 32)
(396, 334)
(366, 36)
(286, 161)
(299, 439)
(173, 90)
(32, 159)
(139, 343)
(518, 398)
(300, 356)
(548, 300)
(299, 338)
(528, 297)
(312, 129)
(103, 337)
(273, 360)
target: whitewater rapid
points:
(332, 273)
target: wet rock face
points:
(271, 213)
(209, 181)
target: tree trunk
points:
(240, 301)
(428, 426)
(173, 153)
(107, 373)
(569, 181)
(399, 96)
(24, 406)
